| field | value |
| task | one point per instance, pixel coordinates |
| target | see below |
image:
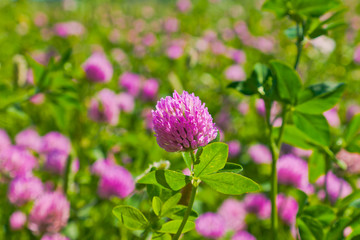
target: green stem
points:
(327, 168)
(188, 211)
(275, 147)
(274, 155)
(67, 174)
(274, 190)
(282, 128)
(193, 159)
(299, 45)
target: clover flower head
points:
(260, 153)
(150, 88)
(259, 204)
(117, 181)
(210, 225)
(4, 139)
(293, 170)
(332, 117)
(98, 68)
(50, 213)
(55, 141)
(17, 220)
(336, 187)
(100, 167)
(183, 5)
(234, 148)
(131, 82)
(235, 73)
(182, 123)
(16, 161)
(24, 189)
(126, 102)
(287, 208)
(174, 51)
(233, 213)
(71, 28)
(29, 138)
(105, 107)
(171, 25)
(56, 162)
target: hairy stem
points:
(188, 211)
